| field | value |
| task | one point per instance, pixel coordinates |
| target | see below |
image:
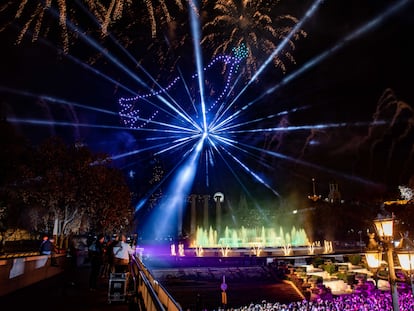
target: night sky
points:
(345, 102)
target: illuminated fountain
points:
(250, 238)
(181, 249)
(328, 247)
(311, 248)
(287, 249)
(225, 251)
(257, 248)
(199, 251)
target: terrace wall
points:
(19, 272)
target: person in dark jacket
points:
(46, 246)
(109, 255)
(96, 253)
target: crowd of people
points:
(376, 301)
(105, 255)
(108, 257)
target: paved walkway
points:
(67, 291)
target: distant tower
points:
(205, 198)
(334, 195)
(157, 176)
(218, 198)
(193, 214)
(314, 197)
(195, 199)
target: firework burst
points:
(107, 15)
(158, 10)
(39, 18)
(250, 23)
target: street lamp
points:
(405, 255)
(385, 228)
(385, 231)
(374, 259)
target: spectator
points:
(109, 254)
(46, 246)
(71, 257)
(122, 251)
(95, 252)
(54, 251)
(72, 252)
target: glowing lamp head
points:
(384, 227)
(405, 253)
(374, 258)
(406, 259)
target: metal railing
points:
(150, 294)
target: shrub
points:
(330, 268)
(318, 262)
(342, 276)
(355, 259)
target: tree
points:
(14, 152)
(72, 190)
(109, 197)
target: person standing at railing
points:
(122, 252)
(54, 251)
(109, 256)
(46, 247)
(96, 253)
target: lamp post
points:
(385, 230)
(405, 255)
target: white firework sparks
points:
(250, 22)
